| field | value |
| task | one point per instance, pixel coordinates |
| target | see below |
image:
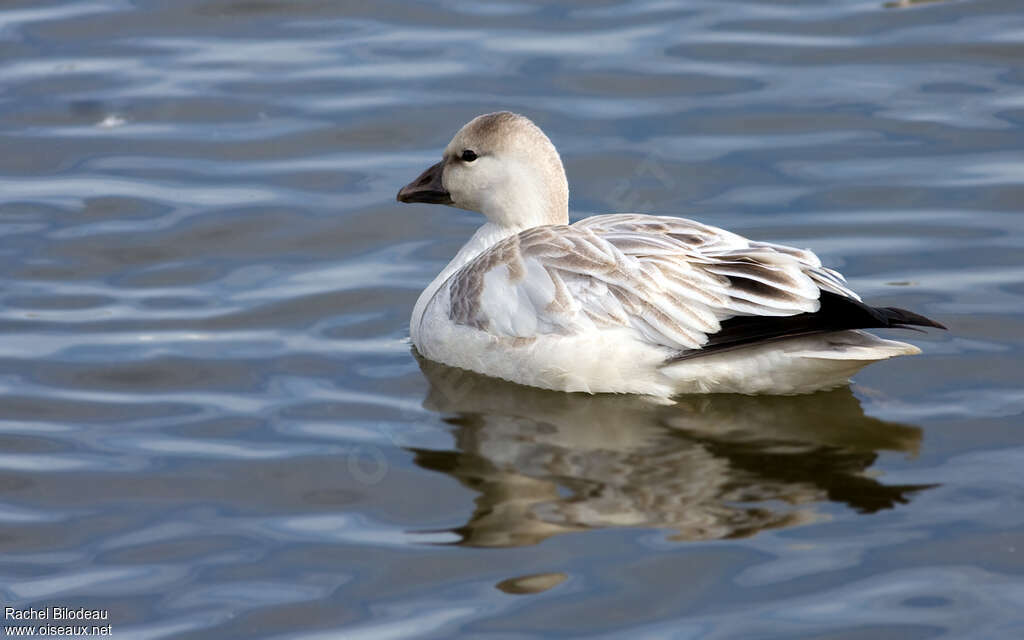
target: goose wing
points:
(672, 282)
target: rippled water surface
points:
(212, 424)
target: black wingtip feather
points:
(836, 313)
(903, 319)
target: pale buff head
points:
(503, 166)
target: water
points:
(212, 424)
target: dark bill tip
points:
(426, 188)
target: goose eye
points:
(468, 155)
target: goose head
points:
(501, 165)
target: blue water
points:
(212, 424)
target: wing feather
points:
(669, 280)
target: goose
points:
(625, 303)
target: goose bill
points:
(427, 187)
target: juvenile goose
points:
(625, 303)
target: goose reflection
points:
(708, 467)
